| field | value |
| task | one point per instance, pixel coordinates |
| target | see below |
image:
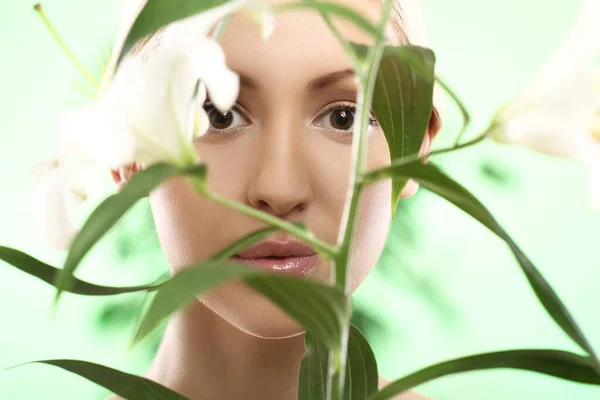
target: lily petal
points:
(555, 115)
(575, 54)
(147, 100)
(560, 125)
(185, 33)
(222, 83)
(102, 134)
(50, 209)
(198, 122)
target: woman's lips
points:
(289, 257)
(292, 265)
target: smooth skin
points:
(285, 150)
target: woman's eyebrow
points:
(316, 84)
(247, 82)
(329, 79)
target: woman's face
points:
(284, 149)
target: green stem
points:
(335, 387)
(367, 79)
(383, 173)
(356, 61)
(371, 177)
(88, 76)
(220, 30)
(323, 248)
(359, 144)
(463, 109)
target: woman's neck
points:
(204, 357)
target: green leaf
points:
(560, 364)
(157, 13)
(128, 386)
(319, 308)
(403, 102)
(312, 381)
(108, 213)
(48, 274)
(432, 178)
(183, 288)
(361, 369)
(242, 244)
(362, 377)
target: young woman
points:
(284, 149)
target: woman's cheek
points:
(371, 234)
(375, 214)
(181, 217)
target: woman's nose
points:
(280, 185)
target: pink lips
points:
(292, 257)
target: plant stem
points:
(88, 76)
(367, 78)
(383, 173)
(364, 99)
(407, 160)
(323, 248)
(356, 61)
(220, 30)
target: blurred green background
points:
(444, 287)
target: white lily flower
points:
(143, 115)
(149, 111)
(559, 114)
(50, 208)
(56, 188)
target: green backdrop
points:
(444, 287)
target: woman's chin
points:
(251, 312)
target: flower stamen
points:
(63, 45)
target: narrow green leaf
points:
(183, 287)
(48, 273)
(312, 380)
(403, 102)
(242, 244)
(560, 364)
(158, 13)
(128, 386)
(106, 215)
(362, 376)
(432, 178)
(320, 308)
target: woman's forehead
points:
(300, 49)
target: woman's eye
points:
(224, 120)
(341, 119)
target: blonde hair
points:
(397, 24)
(408, 28)
(406, 23)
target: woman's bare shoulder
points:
(403, 396)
